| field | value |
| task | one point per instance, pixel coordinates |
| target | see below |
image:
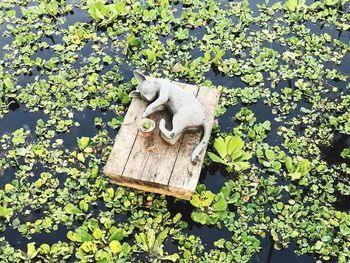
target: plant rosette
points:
(146, 126)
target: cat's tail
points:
(202, 144)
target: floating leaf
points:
(270, 155)
(221, 147)
(173, 257)
(83, 142)
(31, 250)
(220, 203)
(6, 212)
(291, 5)
(199, 217)
(71, 209)
(116, 233)
(115, 246)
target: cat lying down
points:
(188, 113)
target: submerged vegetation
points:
(280, 149)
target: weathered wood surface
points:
(149, 163)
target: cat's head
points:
(147, 88)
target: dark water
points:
(213, 176)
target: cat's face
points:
(146, 86)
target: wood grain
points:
(125, 138)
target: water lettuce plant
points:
(152, 243)
(211, 208)
(231, 153)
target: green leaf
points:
(80, 157)
(195, 201)
(279, 205)
(207, 198)
(295, 175)
(89, 247)
(83, 142)
(294, 234)
(215, 158)
(266, 163)
(133, 41)
(201, 188)
(151, 55)
(116, 233)
(304, 167)
(104, 256)
(318, 245)
(203, 200)
(220, 203)
(80, 235)
(172, 257)
(344, 230)
(31, 250)
(9, 83)
(71, 209)
(115, 246)
(158, 243)
(291, 5)
(120, 7)
(289, 164)
(270, 155)
(97, 234)
(141, 241)
(274, 235)
(199, 217)
(331, 2)
(83, 205)
(237, 145)
(126, 249)
(276, 6)
(6, 212)
(220, 147)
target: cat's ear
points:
(140, 77)
(134, 94)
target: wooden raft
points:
(149, 163)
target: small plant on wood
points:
(147, 125)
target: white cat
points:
(188, 112)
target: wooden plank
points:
(209, 98)
(151, 187)
(125, 139)
(139, 154)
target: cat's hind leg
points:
(172, 136)
(185, 119)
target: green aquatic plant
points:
(152, 243)
(231, 153)
(101, 244)
(293, 5)
(6, 212)
(345, 153)
(281, 68)
(106, 13)
(297, 170)
(271, 158)
(211, 208)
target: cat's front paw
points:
(145, 114)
